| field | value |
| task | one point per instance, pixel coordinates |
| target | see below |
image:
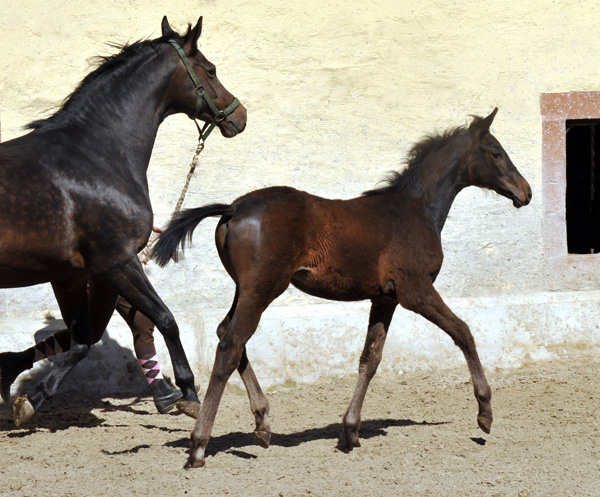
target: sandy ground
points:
(419, 437)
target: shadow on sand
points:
(84, 389)
(233, 441)
(65, 411)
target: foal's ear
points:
(167, 31)
(481, 125)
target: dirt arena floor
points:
(419, 438)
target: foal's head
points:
(183, 92)
(489, 166)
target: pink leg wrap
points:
(47, 348)
(151, 369)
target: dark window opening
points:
(583, 186)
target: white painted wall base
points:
(302, 343)
(335, 100)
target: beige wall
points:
(336, 93)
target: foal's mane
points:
(402, 180)
(102, 64)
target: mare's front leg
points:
(130, 281)
(430, 305)
(379, 323)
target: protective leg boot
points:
(165, 396)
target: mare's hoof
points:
(165, 396)
(485, 424)
(190, 408)
(263, 438)
(22, 410)
(7, 374)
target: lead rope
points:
(219, 115)
(144, 255)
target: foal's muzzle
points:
(524, 195)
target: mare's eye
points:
(212, 72)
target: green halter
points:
(220, 115)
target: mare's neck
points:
(118, 114)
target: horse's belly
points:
(38, 261)
(17, 278)
(329, 285)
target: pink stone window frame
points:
(557, 109)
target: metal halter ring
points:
(220, 116)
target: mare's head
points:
(489, 166)
(195, 85)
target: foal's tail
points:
(181, 225)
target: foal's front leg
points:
(432, 307)
(379, 323)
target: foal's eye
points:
(496, 155)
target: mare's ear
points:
(481, 125)
(194, 36)
(167, 31)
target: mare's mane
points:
(102, 64)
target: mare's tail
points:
(181, 225)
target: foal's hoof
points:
(485, 424)
(349, 441)
(190, 408)
(194, 463)
(263, 438)
(22, 410)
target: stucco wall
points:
(336, 93)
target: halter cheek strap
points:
(219, 115)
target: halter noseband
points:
(220, 115)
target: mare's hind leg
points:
(259, 405)
(432, 307)
(379, 323)
(87, 319)
(130, 281)
(12, 364)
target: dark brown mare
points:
(384, 246)
(74, 194)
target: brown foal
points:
(384, 246)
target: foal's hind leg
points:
(259, 405)
(433, 308)
(379, 323)
(229, 354)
